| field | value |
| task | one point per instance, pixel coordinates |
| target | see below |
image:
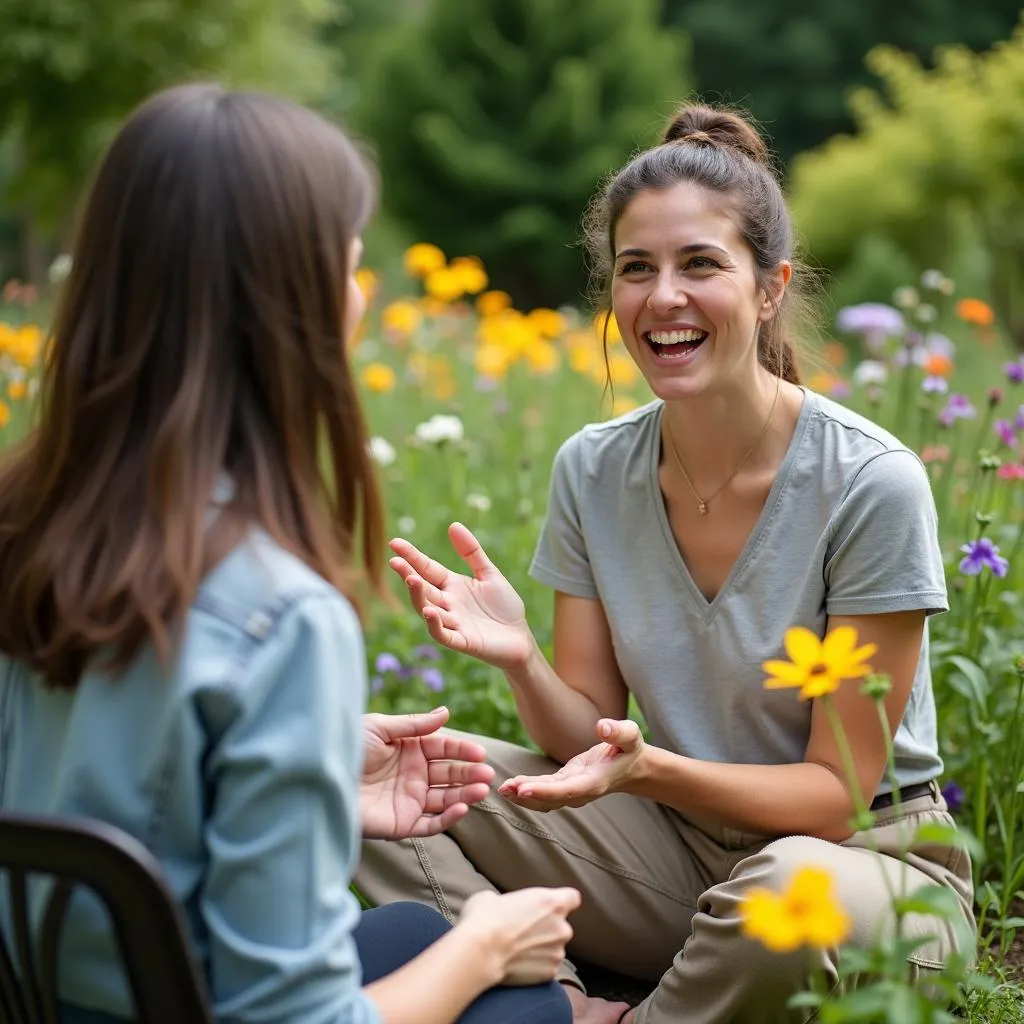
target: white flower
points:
(947, 287)
(406, 524)
(440, 428)
(932, 280)
(906, 297)
(870, 371)
(926, 313)
(381, 451)
(478, 502)
(60, 268)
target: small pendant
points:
(702, 508)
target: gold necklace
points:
(702, 503)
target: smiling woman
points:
(683, 541)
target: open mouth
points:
(675, 344)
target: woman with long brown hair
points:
(180, 541)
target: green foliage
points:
(793, 63)
(69, 70)
(494, 122)
(940, 147)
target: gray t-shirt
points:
(849, 528)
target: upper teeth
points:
(676, 337)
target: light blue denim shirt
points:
(238, 767)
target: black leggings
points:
(389, 937)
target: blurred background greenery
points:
(899, 127)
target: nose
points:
(666, 294)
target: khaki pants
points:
(661, 896)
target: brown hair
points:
(720, 151)
(199, 334)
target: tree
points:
(939, 148)
(69, 69)
(793, 64)
(495, 120)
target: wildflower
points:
(958, 407)
(432, 679)
(387, 663)
(926, 313)
(426, 652)
(1018, 420)
(819, 666)
(379, 377)
(368, 282)
(835, 354)
(870, 371)
(937, 365)
(1005, 432)
(805, 913)
(401, 318)
(974, 311)
(954, 796)
(16, 390)
(994, 396)
(5, 414)
(906, 297)
(445, 284)
(471, 274)
(60, 268)
(406, 524)
(1011, 471)
(933, 280)
(607, 327)
(493, 361)
(439, 429)
(549, 323)
(622, 370)
(935, 385)
(874, 321)
(542, 357)
(493, 302)
(1015, 371)
(935, 453)
(478, 502)
(381, 451)
(981, 554)
(622, 404)
(422, 258)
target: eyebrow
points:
(681, 251)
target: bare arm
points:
(815, 796)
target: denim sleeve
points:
(282, 831)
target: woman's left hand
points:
(416, 783)
(596, 772)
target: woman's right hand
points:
(527, 930)
(481, 615)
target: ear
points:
(774, 288)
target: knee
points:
(405, 918)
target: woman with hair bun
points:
(682, 541)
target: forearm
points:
(559, 719)
(772, 800)
(436, 986)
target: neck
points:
(712, 432)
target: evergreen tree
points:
(495, 120)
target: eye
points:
(704, 263)
(634, 267)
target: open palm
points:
(481, 615)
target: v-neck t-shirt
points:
(849, 528)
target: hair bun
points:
(707, 126)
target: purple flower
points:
(433, 679)
(387, 663)
(376, 684)
(484, 383)
(1018, 420)
(1005, 432)
(981, 554)
(934, 385)
(426, 652)
(954, 796)
(873, 320)
(1015, 371)
(958, 407)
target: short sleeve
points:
(282, 828)
(561, 559)
(883, 553)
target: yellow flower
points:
(819, 666)
(622, 370)
(25, 344)
(493, 361)
(805, 914)
(542, 357)
(422, 258)
(17, 390)
(584, 359)
(5, 414)
(368, 282)
(401, 317)
(623, 404)
(549, 322)
(493, 302)
(444, 284)
(379, 377)
(607, 317)
(471, 274)
(433, 307)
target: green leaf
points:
(949, 835)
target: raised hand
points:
(416, 783)
(481, 615)
(588, 776)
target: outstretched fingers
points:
(432, 571)
(468, 548)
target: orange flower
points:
(17, 389)
(835, 354)
(493, 302)
(975, 311)
(937, 365)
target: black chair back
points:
(165, 980)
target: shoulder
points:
(259, 586)
(622, 442)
